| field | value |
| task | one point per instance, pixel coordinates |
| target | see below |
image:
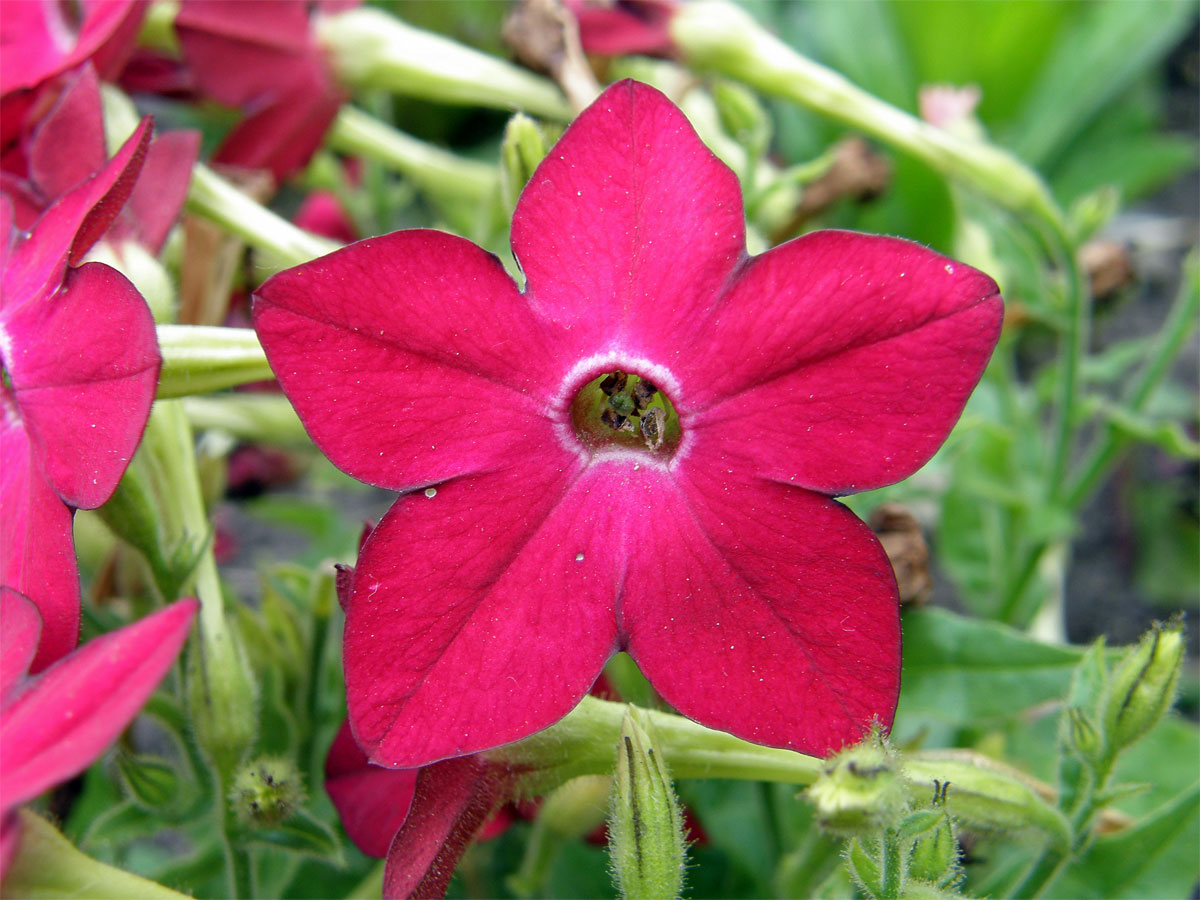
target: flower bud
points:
(935, 851)
(266, 791)
(742, 116)
(987, 794)
(522, 149)
(222, 695)
(153, 782)
(860, 790)
(645, 832)
(1143, 685)
(1082, 735)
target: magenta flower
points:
(639, 452)
(264, 59)
(40, 39)
(54, 725)
(618, 27)
(80, 361)
(66, 146)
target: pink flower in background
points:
(639, 452)
(80, 359)
(66, 146)
(264, 59)
(619, 27)
(54, 725)
(40, 39)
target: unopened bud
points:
(577, 807)
(645, 832)
(987, 794)
(860, 790)
(742, 116)
(935, 849)
(1143, 685)
(153, 782)
(222, 695)
(266, 791)
(522, 149)
(1083, 735)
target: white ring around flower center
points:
(591, 367)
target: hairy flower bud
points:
(645, 832)
(861, 789)
(935, 850)
(1143, 685)
(266, 791)
(522, 149)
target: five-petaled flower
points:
(54, 725)
(638, 452)
(80, 362)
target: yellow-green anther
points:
(1143, 685)
(523, 147)
(645, 833)
(860, 790)
(987, 795)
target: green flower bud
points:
(935, 851)
(577, 807)
(266, 791)
(987, 794)
(222, 696)
(742, 116)
(645, 831)
(860, 790)
(152, 781)
(1143, 685)
(522, 149)
(1093, 211)
(1083, 736)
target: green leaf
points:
(1108, 45)
(1154, 858)
(47, 865)
(1167, 435)
(967, 671)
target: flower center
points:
(620, 409)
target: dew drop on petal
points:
(578, 557)
(430, 493)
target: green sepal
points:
(302, 833)
(863, 868)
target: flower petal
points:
(84, 369)
(766, 611)
(160, 190)
(37, 548)
(18, 639)
(840, 361)
(453, 799)
(33, 45)
(632, 26)
(371, 801)
(630, 226)
(410, 358)
(57, 727)
(483, 613)
(67, 146)
(66, 231)
(242, 50)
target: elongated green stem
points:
(217, 200)
(716, 35)
(1072, 349)
(1180, 324)
(198, 359)
(893, 867)
(261, 418)
(356, 133)
(370, 49)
